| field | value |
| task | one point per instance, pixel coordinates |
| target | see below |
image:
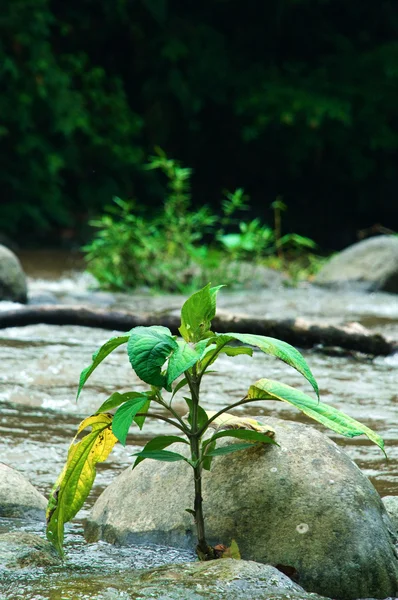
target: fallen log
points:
(298, 332)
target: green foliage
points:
(158, 358)
(181, 247)
(239, 87)
(64, 118)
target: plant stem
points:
(203, 550)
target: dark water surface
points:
(40, 367)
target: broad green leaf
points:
(157, 443)
(243, 434)
(162, 455)
(280, 349)
(148, 348)
(228, 449)
(327, 415)
(202, 415)
(116, 399)
(124, 417)
(197, 313)
(181, 360)
(98, 357)
(75, 482)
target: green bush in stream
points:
(169, 364)
(181, 248)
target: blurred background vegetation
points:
(290, 99)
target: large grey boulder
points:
(12, 278)
(304, 505)
(371, 265)
(18, 497)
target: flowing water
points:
(40, 367)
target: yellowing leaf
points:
(228, 421)
(75, 482)
(232, 551)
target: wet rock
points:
(19, 550)
(12, 278)
(216, 580)
(391, 506)
(304, 505)
(250, 276)
(18, 497)
(43, 298)
(371, 265)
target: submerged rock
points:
(12, 278)
(371, 265)
(18, 497)
(20, 550)
(304, 505)
(225, 579)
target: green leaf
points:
(157, 443)
(207, 446)
(140, 420)
(277, 348)
(197, 314)
(124, 417)
(181, 360)
(179, 385)
(243, 434)
(202, 415)
(148, 348)
(98, 357)
(116, 399)
(75, 482)
(228, 449)
(162, 455)
(212, 351)
(327, 415)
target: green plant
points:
(169, 365)
(180, 248)
(164, 251)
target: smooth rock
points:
(19, 550)
(304, 505)
(391, 506)
(12, 278)
(18, 497)
(371, 265)
(225, 579)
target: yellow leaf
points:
(228, 421)
(77, 477)
(232, 551)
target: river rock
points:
(391, 506)
(18, 497)
(12, 278)
(19, 549)
(304, 505)
(217, 580)
(371, 265)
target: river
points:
(40, 367)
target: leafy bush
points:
(170, 365)
(180, 248)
